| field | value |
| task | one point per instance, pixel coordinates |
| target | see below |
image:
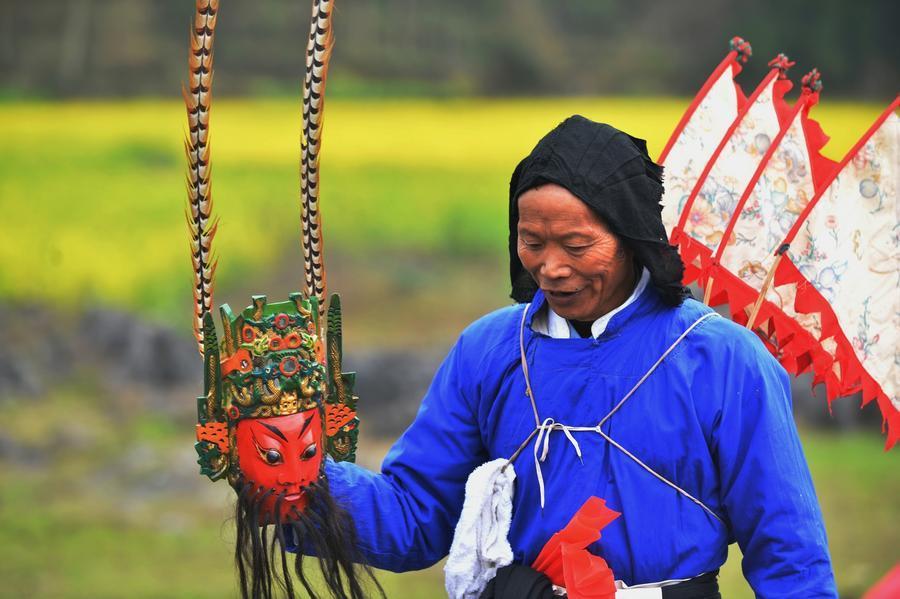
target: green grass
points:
(113, 507)
(62, 537)
(92, 193)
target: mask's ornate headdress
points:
(275, 360)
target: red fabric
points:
(564, 558)
(795, 348)
(586, 576)
(783, 110)
(696, 257)
(790, 343)
(886, 588)
(822, 168)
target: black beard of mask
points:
(324, 529)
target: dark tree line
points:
(485, 47)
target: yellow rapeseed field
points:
(92, 193)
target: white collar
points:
(554, 325)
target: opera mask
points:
(276, 402)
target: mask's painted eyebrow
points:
(305, 426)
(275, 430)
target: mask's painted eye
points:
(272, 456)
(309, 453)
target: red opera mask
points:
(283, 454)
(276, 401)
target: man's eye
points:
(531, 245)
(577, 249)
(272, 456)
(309, 453)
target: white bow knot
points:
(543, 436)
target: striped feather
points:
(318, 52)
(197, 98)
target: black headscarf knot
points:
(612, 173)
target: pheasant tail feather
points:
(197, 98)
(318, 53)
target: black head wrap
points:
(612, 173)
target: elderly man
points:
(681, 419)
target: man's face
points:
(282, 453)
(582, 268)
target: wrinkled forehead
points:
(553, 208)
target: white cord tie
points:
(543, 435)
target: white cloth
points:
(652, 590)
(480, 544)
(552, 324)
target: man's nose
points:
(555, 266)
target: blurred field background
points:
(428, 112)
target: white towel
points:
(480, 544)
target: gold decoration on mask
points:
(342, 445)
(262, 412)
(241, 395)
(288, 404)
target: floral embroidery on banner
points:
(732, 170)
(861, 342)
(780, 194)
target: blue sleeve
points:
(766, 487)
(405, 516)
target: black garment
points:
(701, 587)
(612, 173)
(518, 582)
(521, 582)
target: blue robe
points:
(715, 419)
